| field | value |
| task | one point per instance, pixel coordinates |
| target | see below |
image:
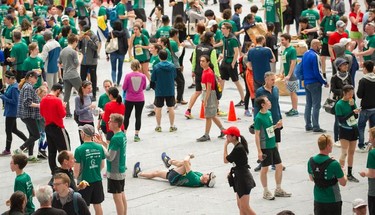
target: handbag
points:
(329, 105)
(112, 45)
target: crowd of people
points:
(49, 47)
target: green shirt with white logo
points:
(23, 183)
(369, 43)
(263, 122)
(163, 32)
(19, 52)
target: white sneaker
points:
(337, 144)
(268, 195)
(361, 150)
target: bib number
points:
(351, 121)
(270, 132)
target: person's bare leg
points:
(193, 98)
(344, 152)
(217, 122)
(153, 174)
(245, 205)
(323, 60)
(158, 116)
(278, 173)
(263, 176)
(145, 70)
(240, 89)
(118, 199)
(208, 126)
(98, 209)
(171, 115)
(125, 203)
(294, 98)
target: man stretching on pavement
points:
(182, 175)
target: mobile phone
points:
(264, 156)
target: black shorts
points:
(141, 14)
(173, 177)
(115, 186)
(277, 132)
(224, 6)
(6, 55)
(93, 194)
(145, 61)
(324, 51)
(273, 157)
(348, 134)
(198, 84)
(327, 208)
(227, 71)
(169, 100)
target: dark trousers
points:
(371, 204)
(34, 135)
(247, 95)
(11, 127)
(81, 124)
(158, 3)
(58, 140)
(138, 113)
(327, 208)
(90, 69)
(180, 81)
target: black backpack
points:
(319, 171)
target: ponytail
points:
(244, 143)
(113, 91)
(119, 99)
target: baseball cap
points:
(340, 24)
(64, 17)
(68, 9)
(344, 41)
(87, 129)
(211, 180)
(359, 203)
(31, 74)
(232, 131)
(211, 23)
(339, 61)
(9, 74)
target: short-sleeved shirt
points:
(24, 184)
(258, 19)
(311, 15)
(208, 76)
(34, 63)
(56, 30)
(270, 8)
(371, 165)
(102, 11)
(121, 10)
(336, 37)
(19, 52)
(260, 57)
(89, 155)
(289, 54)
(116, 168)
(3, 12)
(190, 179)
(354, 27)
(330, 194)
(229, 43)
(153, 61)
(21, 18)
(263, 122)
(234, 26)
(41, 11)
(39, 39)
(163, 32)
(238, 155)
(7, 34)
(369, 43)
(103, 100)
(63, 41)
(329, 24)
(141, 53)
(342, 109)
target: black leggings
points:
(11, 127)
(157, 3)
(247, 95)
(34, 134)
(138, 113)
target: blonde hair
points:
(41, 90)
(135, 65)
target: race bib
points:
(351, 121)
(204, 88)
(270, 132)
(138, 51)
(283, 58)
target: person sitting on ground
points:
(182, 175)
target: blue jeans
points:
(313, 100)
(364, 116)
(114, 57)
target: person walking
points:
(239, 177)
(50, 55)
(134, 85)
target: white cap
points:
(211, 23)
(344, 41)
(359, 203)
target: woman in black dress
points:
(239, 177)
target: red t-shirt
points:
(336, 37)
(320, 8)
(353, 14)
(110, 108)
(52, 110)
(208, 76)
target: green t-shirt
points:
(196, 39)
(229, 43)
(121, 10)
(23, 183)
(89, 155)
(371, 159)
(38, 38)
(258, 19)
(34, 63)
(270, 8)
(163, 32)
(169, 58)
(63, 41)
(139, 4)
(289, 54)
(3, 12)
(329, 24)
(102, 11)
(234, 26)
(369, 43)
(72, 23)
(190, 179)
(263, 122)
(103, 100)
(153, 61)
(312, 16)
(174, 45)
(7, 34)
(145, 32)
(141, 54)
(343, 108)
(56, 30)
(118, 165)
(21, 18)
(218, 37)
(19, 52)
(81, 8)
(329, 194)
(41, 11)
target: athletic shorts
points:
(93, 194)
(224, 6)
(173, 177)
(273, 157)
(169, 100)
(210, 110)
(115, 186)
(333, 208)
(324, 51)
(226, 71)
(145, 61)
(292, 86)
(141, 14)
(348, 134)
(198, 83)
(355, 35)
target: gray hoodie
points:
(339, 50)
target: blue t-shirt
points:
(260, 61)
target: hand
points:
(193, 74)
(82, 185)
(286, 79)
(362, 173)
(233, 65)
(92, 106)
(279, 124)
(64, 104)
(356, 111)
(260, 156)
(98, 139)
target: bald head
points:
(315, 44)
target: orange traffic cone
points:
(201, 115)
(232, 113)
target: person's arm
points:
(257, 142)
(208, 92)
(76, 170)
(272, 56)
(213, 58)
(226, 151)
(370, 173)
(291, 69)
(193, 62)
(92, 42)
(187, 164)
(235, 57)
(44, 54)
(13, 98)
(330, 49)
(355, 20)
(130, 49)
(316, 70)
(360, 90)
(368, 52)
(75, 59)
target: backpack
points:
(112, 15)
(298, 71)
(75, 201)
(319, 173)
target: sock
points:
(350, 170)
(207, 135)
(266, 189)
(278, 186)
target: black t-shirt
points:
(238, 156)
(49, 211)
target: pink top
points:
(134, 85)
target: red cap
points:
(232, 131)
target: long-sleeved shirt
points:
(84, 110)
(10, 99)
(53, 111)
(89, 49)
(134, 85)
(50, 55)
(311, 68)
(27, 97)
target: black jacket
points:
(366, 89)
(69, 206)
(122, 41)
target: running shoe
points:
(352, 179)
(282, 193)
(165, 158)
(42, 155)
(247, 113)
(188, 114)
(158, 129)
(268, 195)
(337, 144)
(240, 103)
(69, 115)
(222, 113)
(319, 130)
(292, 113)
(191, 86)
(33, 159)
(150, 106)
(204, 138)
(136, 170)
(172, 129)
(18, 151)
(136, 138)
(4, 153)
(152, 113)
(221, 136)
